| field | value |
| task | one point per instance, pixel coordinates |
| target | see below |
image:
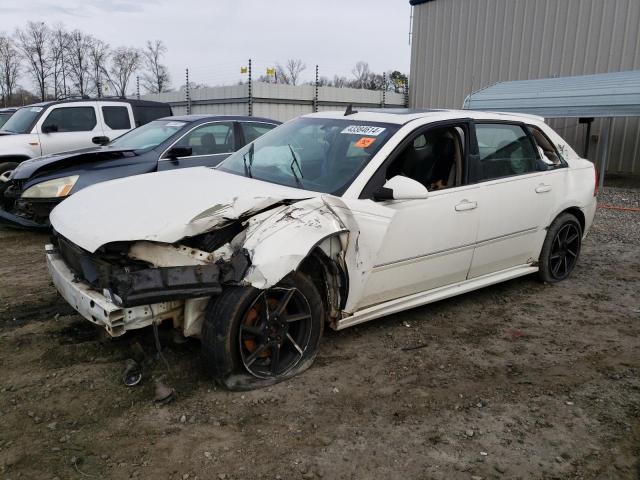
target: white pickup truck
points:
(63, 125)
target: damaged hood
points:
(58, 161)
(164, 207)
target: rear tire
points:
(253, 338)
(561, 249)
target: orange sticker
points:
(365, 142)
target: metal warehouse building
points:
(461, 46)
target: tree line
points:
(61, 63)
(361, 77)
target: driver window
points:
(210, 139)
(433, 158)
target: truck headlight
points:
(56, 188)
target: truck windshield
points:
(148, 136)
(317, 154)
(23, 120)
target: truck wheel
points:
(561, 248)
(252, 338)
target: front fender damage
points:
(265, 248)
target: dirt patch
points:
(520, 380)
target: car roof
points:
(402, 116)
(202, 117)
(8, 109)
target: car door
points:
(429, 242)
(68, 127)
(117, 118)
(515, 197)
(210, 143)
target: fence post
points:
(384, 88)
(406, 93)
(188, 93)
(315, 98)
(138, 87)
(250, 92)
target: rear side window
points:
(71, 119)
(145, 114)
(254, 130)
(505, 150)
(546, 149)
(116, 118)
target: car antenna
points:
(350, 110)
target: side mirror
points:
(51, 128)
(402, 188)
(177, 152)
(100, 140)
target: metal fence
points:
(277, 101)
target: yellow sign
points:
(271, 71)
(244, 70)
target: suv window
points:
(210, 139)
(254, 130)
(505, 150)
(116, 118)
(72, 119)
(147, 113)
(433, 158)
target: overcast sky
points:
(214, 38)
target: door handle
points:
(542, 188)
(466, 205)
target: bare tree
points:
(361, 73)
(289, 74)
(124, 62)
(98, 54)
(34, 42)
(9, 69)
(79, 60)
(156, 76)
(59, 45)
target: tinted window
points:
(146, 114)
(505, 150)
(72, 119)
(253, 130)
(210, 139)
(116, 118)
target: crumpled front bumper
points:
(99, 309)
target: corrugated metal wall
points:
(459, 46)
(280, 102)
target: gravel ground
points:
(520, 380)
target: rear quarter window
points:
(144, 114)
(116, 118)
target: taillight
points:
(597, 185)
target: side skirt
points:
(423, 298)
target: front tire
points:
(561, 249)
(252, 338)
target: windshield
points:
(318, 154)
(148, 136)
(22, 121)
(3, 118)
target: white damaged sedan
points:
(333, 218)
